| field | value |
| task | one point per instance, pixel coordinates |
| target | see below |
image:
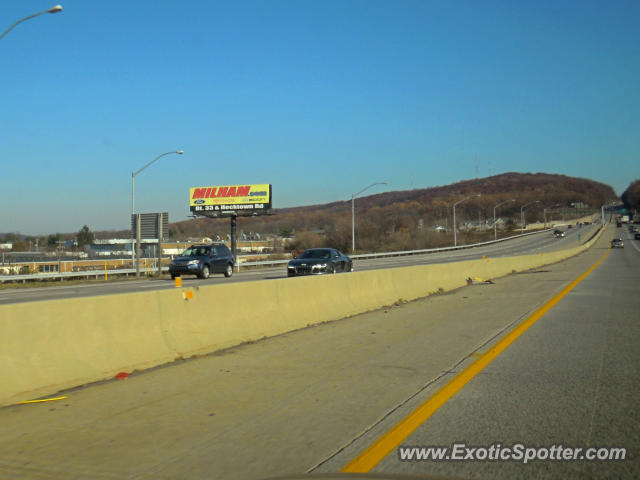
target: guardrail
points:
(408, 252)
(127, 271)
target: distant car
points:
(637, 236)
(570, 226)
(202, 260)
(617, 243)
(316, 261)
(558, 233)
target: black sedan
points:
(316, 261)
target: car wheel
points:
(351, 267)
(333, 268)
(205, 272)
(228, 271)
(173, 277)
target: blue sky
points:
(318, 98)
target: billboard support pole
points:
(234, 219)
(160, 235)
(138, 228)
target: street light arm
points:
(179, 152)
(56, 9)
(367, 188)
(525, 206)
(465, 199)
(507, 201)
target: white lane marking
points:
(633, 242)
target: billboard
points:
(230, 199)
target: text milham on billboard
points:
(230, 199)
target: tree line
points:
(49, 242)
(405, 220)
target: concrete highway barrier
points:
(49, 346)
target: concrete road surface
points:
(571, 380)
(315, 398)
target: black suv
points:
(202, 260)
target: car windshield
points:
(319, 253)
(195, 252)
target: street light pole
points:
(455, 233)
(353, 214)
(56, 9)
(133, 197)
(522, 214)
(495, 231)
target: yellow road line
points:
(393, 438)
(42, 400)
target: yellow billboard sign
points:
(230, 198)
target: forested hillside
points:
(405, 219)
(631, 196)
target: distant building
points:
(121, 247)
